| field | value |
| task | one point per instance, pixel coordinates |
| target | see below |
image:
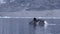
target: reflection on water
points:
(21, 26)
(36, 29)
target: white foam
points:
(46, 24)
(52, 24)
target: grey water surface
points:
(22, 26)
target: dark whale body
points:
(37, 22)
(41, 23)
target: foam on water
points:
(47, 24)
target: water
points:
(21, 26)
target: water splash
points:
(46, 24)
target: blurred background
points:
(28, 5)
